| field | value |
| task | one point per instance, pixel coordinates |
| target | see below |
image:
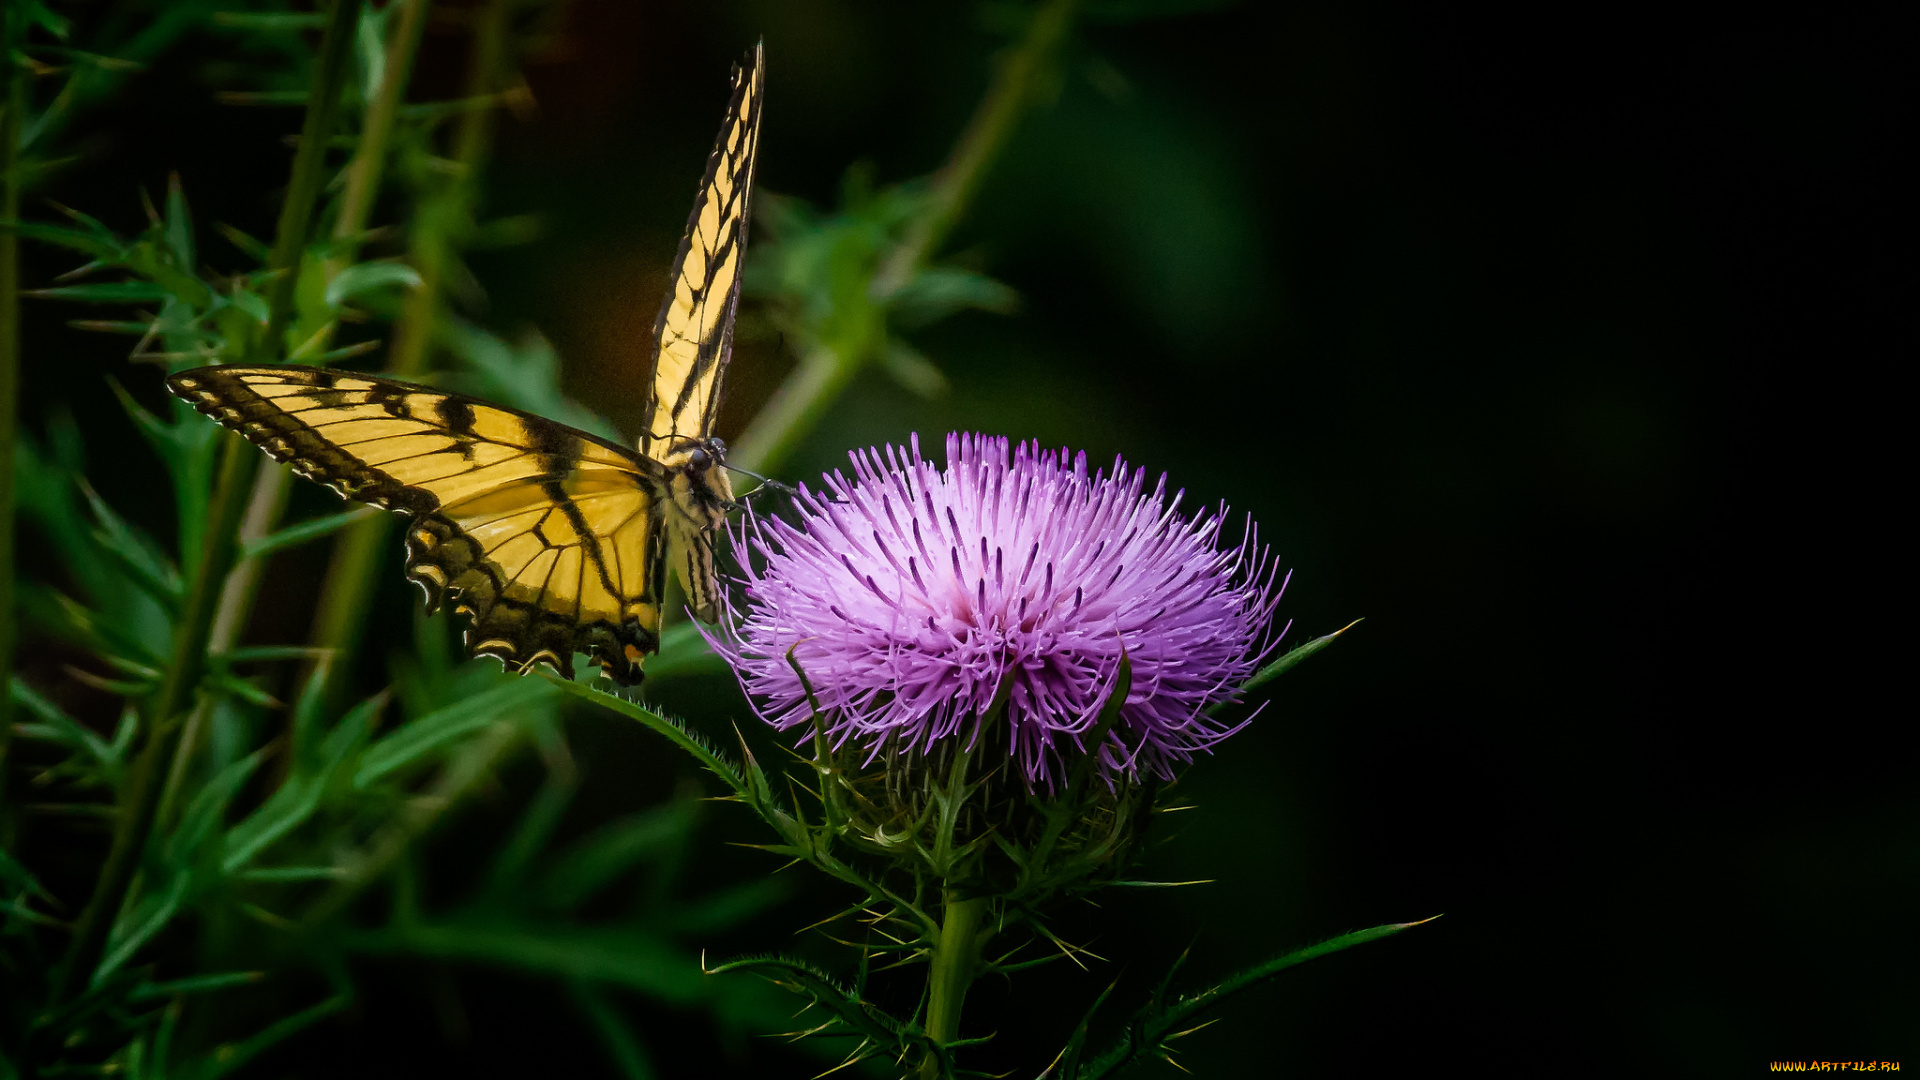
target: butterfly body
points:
(700, 496)
(549, 540)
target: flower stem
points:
(824, 372)
(950, 971)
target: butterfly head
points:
(700, 476)
(704, 455)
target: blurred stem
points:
(271, 487)
(450, 210)
(350, 577)
(370, 159)
(950, 972)
(309, 170)
(824, 372)
(145, 784)
(11, 105)
(264, 507)
(954, 185)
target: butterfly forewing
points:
(693, 336)
(551, 540)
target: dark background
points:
(1548, 341)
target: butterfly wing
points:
(693, 337)
(552, 540)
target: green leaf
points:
(624, 956)
(314, 529)
(611, 850)
(73, 621)
(62, 728)
(939, 291)
(727, 908)
(179, 224)
(162, 437)
(530, 837)
(138, 925)
(198, 984)
(40, 15)
(287, 22)
(105, 292)
(283, 875)
(300, 795)
(17, 876)
(127, 327)
(1159, 1023)
(100, 244)
(22, 911)
(247, 244)
(626, 1051)
(854, 1015)
(362, 278)
(410, 743)
(221, 682)
(133, 552)
(1067, 1063)
(201, 821)
(912, 370)
(254, 653)
(227, 1058)
(1275, 669)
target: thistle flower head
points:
(915, 599)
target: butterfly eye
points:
(699, 460)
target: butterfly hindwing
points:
(693, 337)
(550, 539)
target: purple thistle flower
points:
(914, 593)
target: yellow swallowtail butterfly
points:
(553, 541)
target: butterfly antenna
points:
(764, 481)
(770, 484)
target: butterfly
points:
(550, 540)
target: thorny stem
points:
(956, 954)
(338, 622)
(826, 370)
(14, 101)
(145, 784)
